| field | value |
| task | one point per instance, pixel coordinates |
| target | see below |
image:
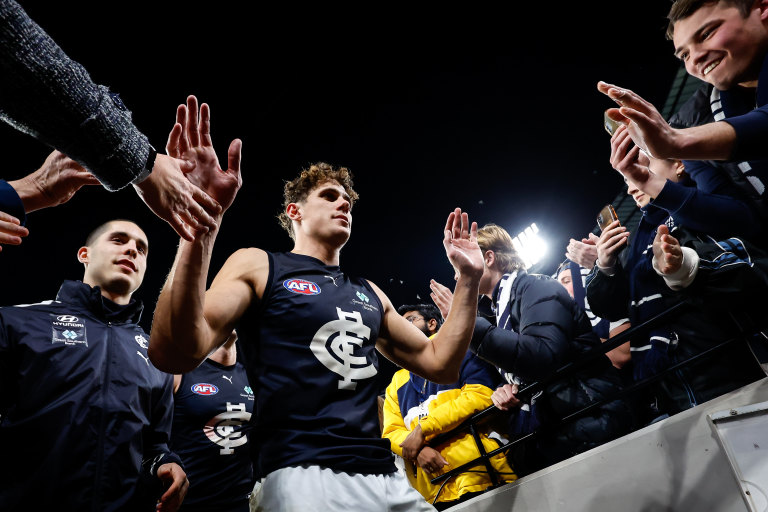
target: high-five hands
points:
(460, 242)
(645, 124)
(190, 140)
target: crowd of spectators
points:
(302, 373)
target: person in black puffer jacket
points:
(539, 329)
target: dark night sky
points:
(493, 111)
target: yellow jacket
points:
(411, 400)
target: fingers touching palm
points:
(190, 140)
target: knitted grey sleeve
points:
(49, 96)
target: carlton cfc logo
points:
(204, 389)
(301, 286)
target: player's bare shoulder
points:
(382, 297)
(249, 265)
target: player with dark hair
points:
(85, 415)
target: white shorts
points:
(316, 489)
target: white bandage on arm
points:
(685, 275)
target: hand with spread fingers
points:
(460, 242)
(171, 196)
(654, 135)
(667, 253)
(645, 124)
(190, 140)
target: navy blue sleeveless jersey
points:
(309, 347)
(212, 411)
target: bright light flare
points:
(530, 246)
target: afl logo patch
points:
(301, 286)
(204, 389)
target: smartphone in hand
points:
(606, 216)
(609, 124)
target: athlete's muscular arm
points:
(189, 322)
(439, 359)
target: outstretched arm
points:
(718, 214)
(540, 342)
(46, 94)
(649, 130)
(54, 183)
(190, 323)
(439, 359)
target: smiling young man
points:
(310, 333)
(85, 415)
(538, 329)
(723, 43)
(719, 131)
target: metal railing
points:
(472, 424)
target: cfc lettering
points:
(334, 345)
(226, 429)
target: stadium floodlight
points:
(530, 246)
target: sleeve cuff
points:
(163, 458)
(750, 134)
(609, 271)
(11, 203)
(683, 276)
(617, 323)
(427, 427)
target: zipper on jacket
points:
(97, 488)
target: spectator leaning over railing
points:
(46, 94)
(721, 136)
(539, 328)
(624, 280)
